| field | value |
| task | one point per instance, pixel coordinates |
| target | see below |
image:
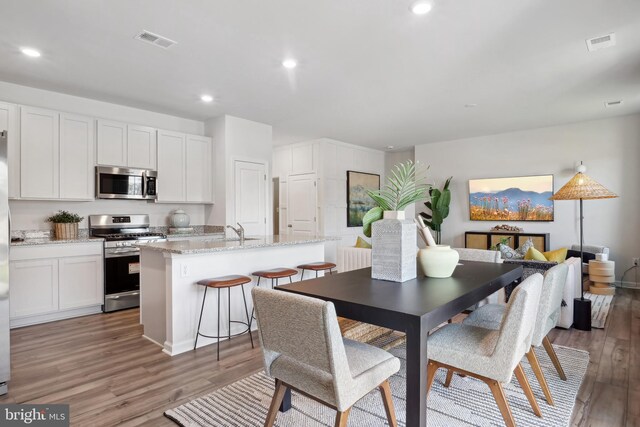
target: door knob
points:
(290, 226)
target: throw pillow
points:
(361, 243)
(559, 255)
(510, 253)
(535, 255)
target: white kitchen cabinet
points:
(34, 287)
(112, 143)
(39, 153)
(141, 147)
(171, 166)
(9, 121)
(56, 281)
(80, 282)
(77, 142)
(302, 160)
(198, 169)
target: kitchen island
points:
(170, 299)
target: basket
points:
(66, 231)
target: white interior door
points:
(250, 194)
(303, 203)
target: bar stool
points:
(219, 283)
(317, 266)
(274, 274)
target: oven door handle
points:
(122, 253)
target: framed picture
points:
(524, 198)
(358, 201)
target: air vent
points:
(155, 39)
(613, 103)
(601, 42)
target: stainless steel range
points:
(121, 257)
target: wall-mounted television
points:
(523, 198)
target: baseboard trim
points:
(35, 319)
(628, 285)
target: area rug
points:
(600, 305)
(467, 402)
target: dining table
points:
(414, 307)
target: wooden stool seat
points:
(318, 266)
(276, 273)
(225, 281)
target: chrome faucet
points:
(239, 231)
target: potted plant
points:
(65, 224)
(439, 207)
(393, 252)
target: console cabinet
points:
(487, 239)
(56, 281)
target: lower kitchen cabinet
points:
(53, 282)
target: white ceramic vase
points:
(438, 261)
(180, 219)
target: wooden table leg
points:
(286, 401)
(416, 375)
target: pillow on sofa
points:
(510, 253)
(559, 255)
(588, 256)
(361, 243)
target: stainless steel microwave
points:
(124, 183)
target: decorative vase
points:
(393, 252)
(438, 261)
(180, 219)
(65, 231)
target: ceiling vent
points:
(155, 39)
(601, 42)
(613, 103)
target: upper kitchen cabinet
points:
(39, 153)
(77, 142)
(141, 147)
(9, 121)
(198, 160)
(112, 143)
(171, 166)
(184, 168)
(120, 144)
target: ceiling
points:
(370, 72)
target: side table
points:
(602, 274)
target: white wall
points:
(610, 149)
(25, 95)
(31, 214)
(235, 138)
(331, 160)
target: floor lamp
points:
(582, 187)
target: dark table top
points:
(470, 283)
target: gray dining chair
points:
(304, 351)
(492, 356)
(548, 312)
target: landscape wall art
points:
(358, 201)
(524, 198)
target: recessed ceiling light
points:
(30, 52)
(390, 147)
(206, 98)
(421, 7)
(470, 105)
(290, 63)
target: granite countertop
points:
(52, 241)
(211, 246)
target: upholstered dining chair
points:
(489, 355)
(304, 351)
(490, 316)
(483, 255)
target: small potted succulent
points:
(65, 224)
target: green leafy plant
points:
(439, 207)
(405, 185)
(64, 217)
(503, 241)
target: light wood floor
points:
(110, 375)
